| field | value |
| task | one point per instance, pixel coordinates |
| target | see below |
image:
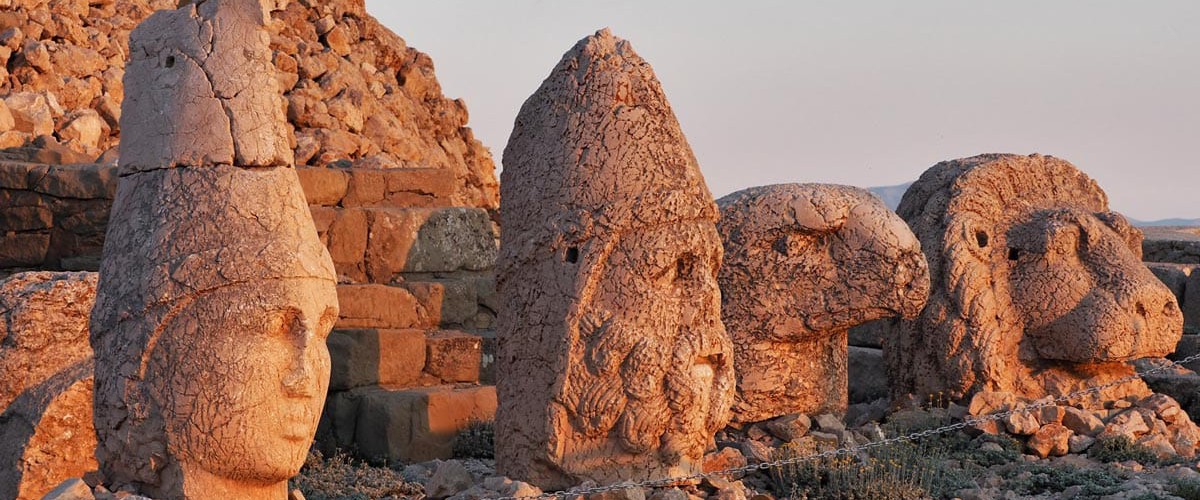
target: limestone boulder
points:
(46, 433)
(803, 264)
(1006, 311)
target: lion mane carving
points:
(1036, 287)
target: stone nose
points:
(1155, 314)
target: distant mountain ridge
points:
(891, 196)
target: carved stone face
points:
(654, 327)
(1083, 293)
(240, 376)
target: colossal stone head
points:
(613, 363)
(803, 264)
(215, 294)
(1038, 289)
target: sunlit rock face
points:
(613, 363)
(803, 264)
(46, 431)
(1037, 288)
(215, 295)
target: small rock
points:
(6, 118)
(1163, 405)
(756, 452)
(449, 478)
(1051, 415)
(790, 427)
(825, 439)
(31, 113)
(830, 423)
(85, 128)
(725, 459)
(669, 494)
(295, 494)
(757, 433)
(1022, 424)
(1159, 444)
(630, 493)
(71, 489)
(1079, 443)
(1082, 422)
(1050, 440)
(1130, 424)
(872, 431)
(990, 446)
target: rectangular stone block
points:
(428, 240)
(82, 181)
(20, 175)
(323, 186)
(417, 425)
(347, 243)
(453, 356)
(1189, 345)
(1175, 276)
(380, 306)
(25, 218)
(366, 188)
(1191, 304)
(375, 357)
(419, 187)
(23, 249)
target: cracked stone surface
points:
(235, 111)
(613, 363)
(215, 294)
(1037, 288)
(46, 435)
(803, 264)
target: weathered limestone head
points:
(613, 363)
(803, 264)
(215, 294)
(1038, 289)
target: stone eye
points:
(1014, 253)
(572, 255)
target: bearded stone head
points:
(613, 362)
(1038, 288)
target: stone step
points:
(405, 425)
(403, 358)
(374, 245)
(467, 302)
(383, 306)
(373, 187)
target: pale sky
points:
(866, 93)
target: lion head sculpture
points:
(1037, 288)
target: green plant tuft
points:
(1120, 449)
(476, 440)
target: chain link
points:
(763, 466)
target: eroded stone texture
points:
(46, 434)
(215, 295)
(1037, 288)
(357, 95)
(803, 264)
(613, 363)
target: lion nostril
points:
(1141, 309)
(1169, 308)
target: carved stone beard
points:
(657, 388)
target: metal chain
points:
(762, 466)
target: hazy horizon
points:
(773, 91)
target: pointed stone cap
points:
(206, 197)
(200, 90)
(597, 151)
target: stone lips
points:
(1035, 284)
(803, 264)
(216, 294)
(613, 363)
